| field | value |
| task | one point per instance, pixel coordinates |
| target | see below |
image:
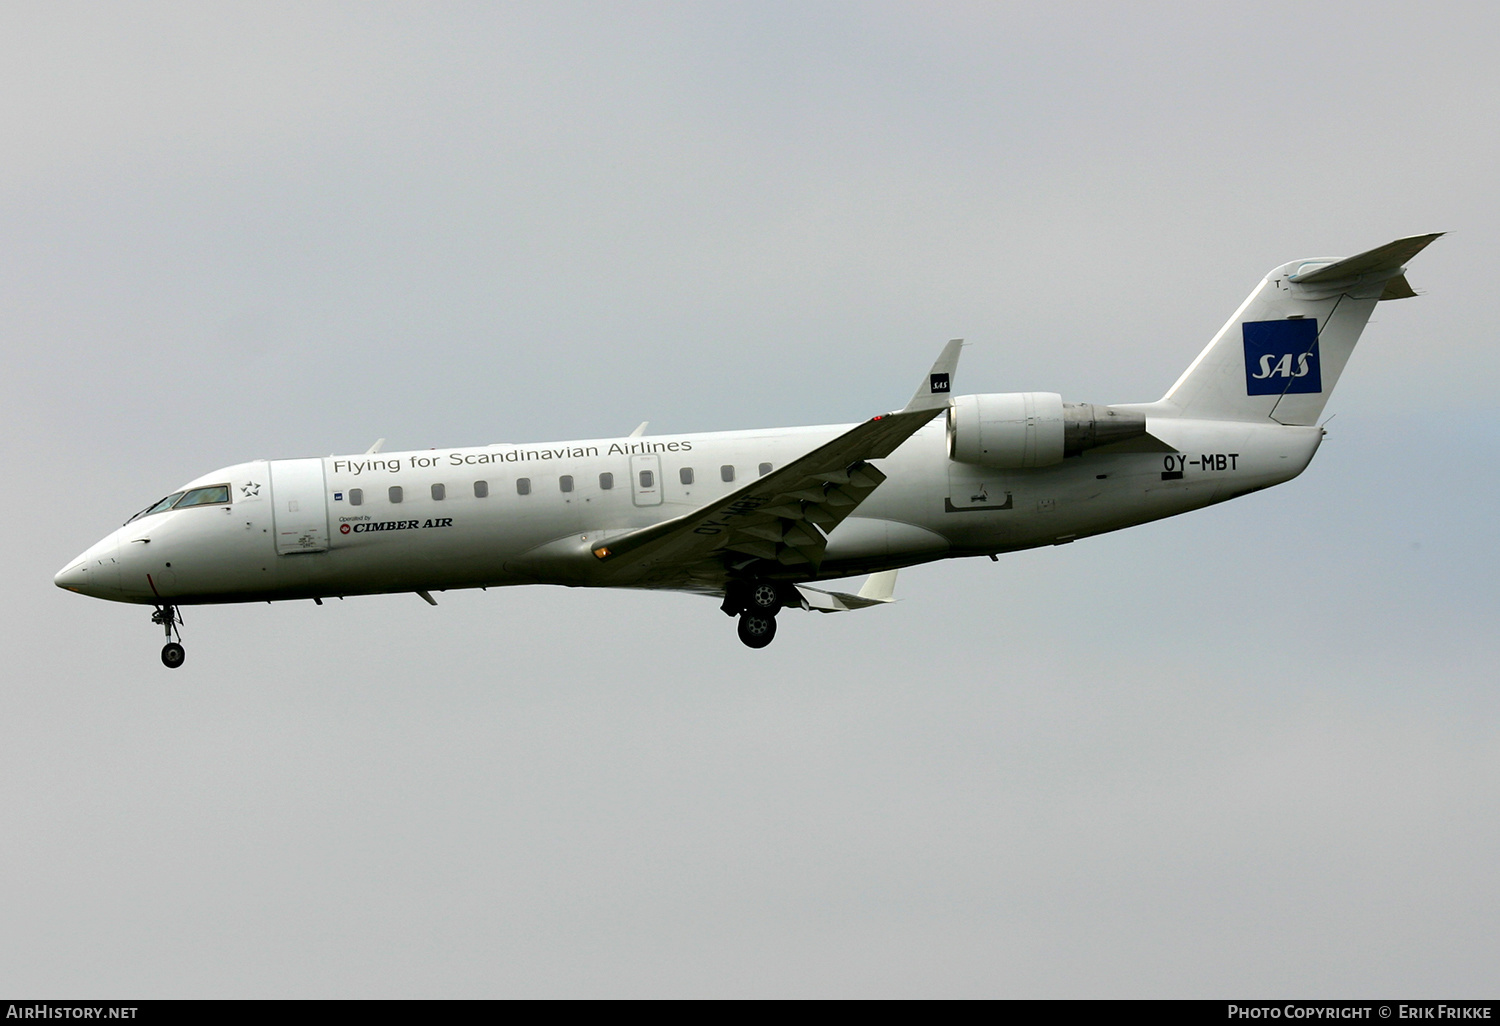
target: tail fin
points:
(1283, 350)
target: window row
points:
(397, 493)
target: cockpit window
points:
(210, 496)
(157, 507)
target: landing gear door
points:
(299, 499)
(645, 480)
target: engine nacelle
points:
(1017, 430)
(1007, 431)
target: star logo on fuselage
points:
(249, 488)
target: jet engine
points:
(1016, 430)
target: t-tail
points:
(1282, 352)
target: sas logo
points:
(939, 383)
(1281, 357)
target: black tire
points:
(763, 597)
(734, 598)
(172, 655)
(757, 630)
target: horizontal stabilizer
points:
(1397, 288)
(1375, 263)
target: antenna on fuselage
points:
(638, 432)
(376, 447)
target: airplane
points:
(757, 518)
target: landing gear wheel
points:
(757, 630)
(168, 618)
(763, 597)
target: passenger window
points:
(685, 475)
(523, 486)
(565, 482)
(648, 479)
(481, 489)
(439, 492)
(395, 493)
(204, 496)
(726, 473)
(356, 496)
(606, 482)
(765, 468)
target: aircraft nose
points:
(74, 576)
(95, 572)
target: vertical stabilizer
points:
(1282, 352)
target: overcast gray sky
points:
(1251, 751)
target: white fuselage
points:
(524, 514)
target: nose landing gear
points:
(172, 653)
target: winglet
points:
(938, 385)
(878, 589)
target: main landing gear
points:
(756, 603)
(172, 653)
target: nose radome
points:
(95, 573)
(74, 576)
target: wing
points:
(878, 590)
(782, 518)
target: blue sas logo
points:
(1281, 357)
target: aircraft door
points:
(300, 506)
(645, 480)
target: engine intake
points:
(1017, 430)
